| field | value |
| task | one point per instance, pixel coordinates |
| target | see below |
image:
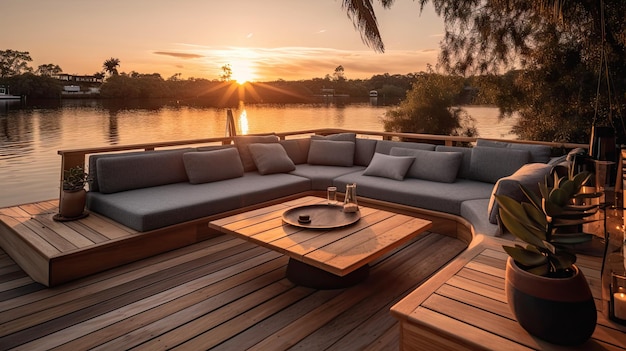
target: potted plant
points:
(73, 194)
(546, 292)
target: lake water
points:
(31, 135)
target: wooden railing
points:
(77, 157)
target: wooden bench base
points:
(53, 252)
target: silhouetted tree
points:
(13, 63)
(110, 66)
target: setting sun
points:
(243, 71)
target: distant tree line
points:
(23, 80)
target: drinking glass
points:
(331, 195)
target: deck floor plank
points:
(43, 215)
(222, 292)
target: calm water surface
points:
(31, 135)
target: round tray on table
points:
(320, 216)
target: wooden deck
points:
(56, 252)
(464, 307)
(222, 293)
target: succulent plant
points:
(545, 223)
(75, 178)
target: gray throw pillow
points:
(530, 175)
(437, 166)
(392, 167)
(331, 153)
(491, 163)
(271, 158)
(242, 142)
(211, 166)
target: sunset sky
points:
(261, 40)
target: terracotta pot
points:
(72, 203)
(558, 310)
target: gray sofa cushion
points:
(297, 149)
(336, 137)
(387, 166)
(93, 159)
(432, 165)
(271, 158)
(141, 170)
(538, 153)
(242, 142)
(151, 208)
(474, 212)
(445, 197)
(490, 163)
(211, 166)
(331, 153)
(364, 151)
(464, 169)
(363, 148)
(322, 177)
(529, 175)
(384, 146)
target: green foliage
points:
(33, 85)
(572, 53)
(75, 178)
(13, 63)
(428, 108)
(539, 223)
(48, 69)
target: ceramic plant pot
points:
(72, 203)
(557, 310)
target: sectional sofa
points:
(154, 189)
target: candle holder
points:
(614, 268)
(617, 304)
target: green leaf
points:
(525, 257)
(519, 230)
(551, 209)
(535, 200)
(563, 260)
(581, 178)
(536, 215)
(569, 188)
(542, 270)
(559, 197)
(570, 239)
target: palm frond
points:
(361, 12)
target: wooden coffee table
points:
(327, 258)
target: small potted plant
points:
(73, 194)
(546, 292)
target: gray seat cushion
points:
(474, 212)
(159, 206)
(444, 197)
